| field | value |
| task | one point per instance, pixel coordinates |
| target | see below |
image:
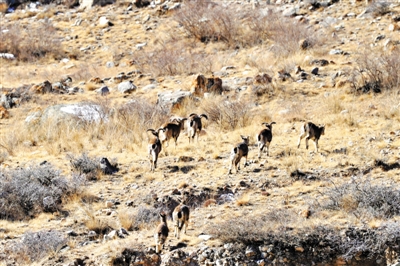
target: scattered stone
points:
(379, 38)
(394, 27)
(105, 22)
(205, 237)
(320, 62)
(110, 64)
(103, 91)
(149, 87)
(126, 87)
(315, 71)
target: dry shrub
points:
(29, 191)
(376, 71)
(138, 116)
(84, 165)
(36, 245)
(379, 8)
(210, 22)
(172, 59)
(228, 115)
(287, 34)
(145, 217)
(367, 200)
(30, 44)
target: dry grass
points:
(171, 61)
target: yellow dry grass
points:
(361, 124)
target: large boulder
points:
(172, 98)
(79, 112)
(126, 87)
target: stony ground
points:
(275, 198)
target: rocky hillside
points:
(82, 82)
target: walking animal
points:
(311, 131)
(239, 151)
(154, 148)
(194, 125)
(172, 130)
(180, 216)
(264, 138)
(161, 233)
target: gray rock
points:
(336, 51)
(126, 87)
(149, 87)
(70, 112)
(110, 64)
(379, 38)
(289, 12)
(103, 91)
(170, 98)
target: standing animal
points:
(180, 216)
(154, 148)
(107, 167)
(264, 138)
(194, 125)
(172, 130)
(203, 85)
(311, 131)
(161, 233)
(239, 151)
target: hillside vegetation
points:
(81, 86)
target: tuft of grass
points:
(244, 200)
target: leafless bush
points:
(211, 21)
(85, 165)
(287, 34)
(28, 43)
(37, 245)
(228, 114)
(208, 21)
(379, 8)
(172, 59)
(138, 116)
(364, 199)
(26, 192)
(145, 217)
(321, 243)
(376, 71)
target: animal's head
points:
(246, 139)
(268, 125)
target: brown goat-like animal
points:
(180, 216)
(161, 233)
(172, 130)
(154, 148)
(202, 85)
(311, 131)
(239, 151)
(264, 138)
(194, 125)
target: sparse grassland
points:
(346, 196)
